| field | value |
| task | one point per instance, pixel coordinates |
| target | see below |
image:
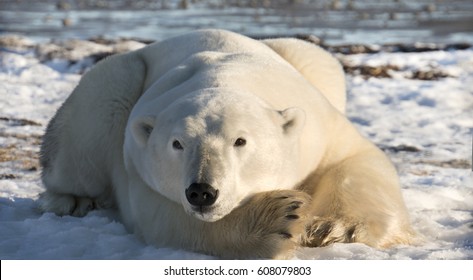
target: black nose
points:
(201, 194)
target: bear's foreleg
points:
(268, 225)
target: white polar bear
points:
(222, 144)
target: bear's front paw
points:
(65, 204)
(277, 221)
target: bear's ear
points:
(141, 129)
(293, 120)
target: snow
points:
(425, 126)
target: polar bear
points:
(222, 144)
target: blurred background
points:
(333, 21)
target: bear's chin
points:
(206, 214)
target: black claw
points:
(350, 234)
(292, 217)
(324, 229)
(91, 207)
(295, 205)
(285, 235)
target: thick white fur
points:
(305, 175)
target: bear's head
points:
(211, 150)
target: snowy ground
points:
(425, 126)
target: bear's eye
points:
(240, 142)
(147, 129)
(177, 145)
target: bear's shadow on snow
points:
(17, 208)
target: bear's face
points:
(213, 150)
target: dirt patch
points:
(388, 71)
(7, 176)
(400, 148)
(24, 157)
(19, 122)
(453, 163)
(21, 156)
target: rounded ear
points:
(293, 121)
(141, 129)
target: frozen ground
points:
(425, 126)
